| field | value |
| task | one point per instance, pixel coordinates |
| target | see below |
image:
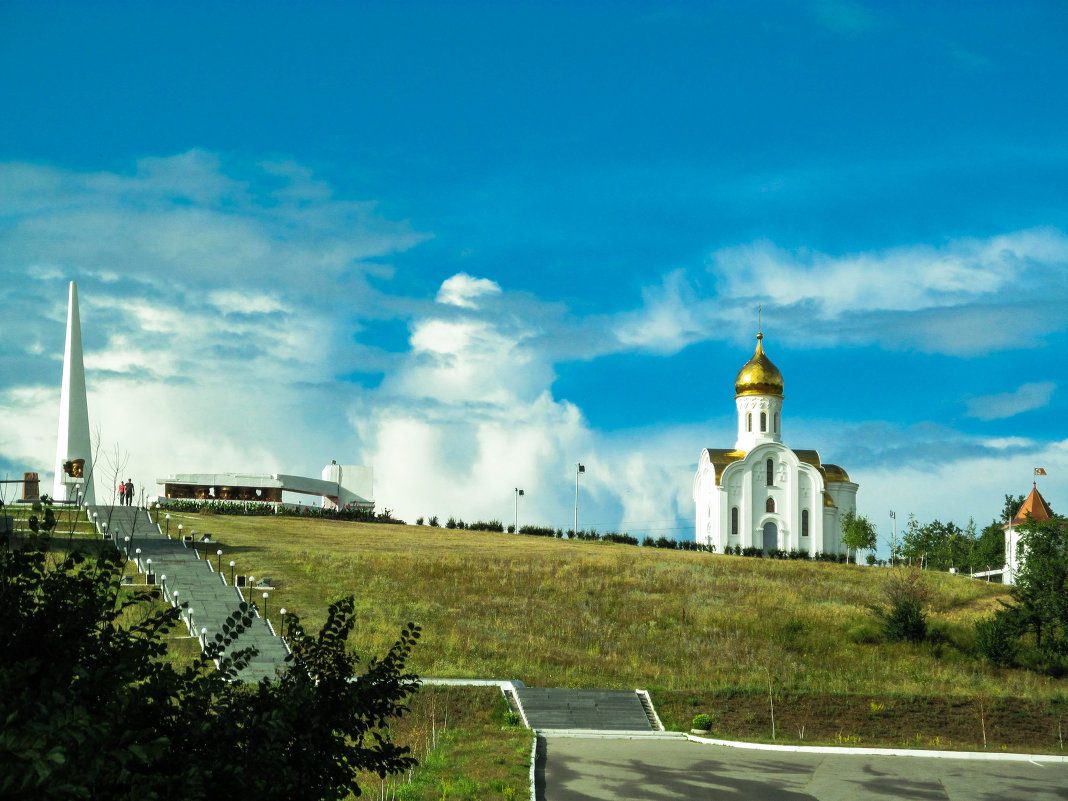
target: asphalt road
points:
(572, 769)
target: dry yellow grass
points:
(567, 613)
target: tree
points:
(988, 552)
(91, 710)
(858, 533)
(1038, 612)
(1011, 507)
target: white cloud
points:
(968, 296)
(1008, 404)
(463, 290)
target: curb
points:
(610, 734)
(903, 752)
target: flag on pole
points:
(1039, 471)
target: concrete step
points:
(606, 710)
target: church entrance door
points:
(771, 537)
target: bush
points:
(622, 539)
(995, 640)
(537, 531)
(903, 616)
(702, 721)
(451, 522)
(432, 521)
(483, 525)
(93, 709)
(419, 521)
(870, 559)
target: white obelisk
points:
(72, 442)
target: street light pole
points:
(893, 540)
(518, 492)
(579, 468)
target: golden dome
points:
(759, 376)
(832, 472)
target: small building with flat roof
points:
(340, 487)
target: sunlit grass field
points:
(578, 614)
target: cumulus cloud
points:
(463, 290)
(218, 304)
(1009, 404)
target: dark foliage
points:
(903, 614)
(91, 711)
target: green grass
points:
(563, 613)
(703, 632)
(465, 749)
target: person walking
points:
(122, 493)
(129, 492)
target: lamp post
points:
(126, 539)
(168, 518)
(149, 578)
(180, 533)
(893, 540)
(231, 572)
(282, 623)
(174, 596)
(219, 554)
(137, 558)
(265, 606)
(579, 468)
(518, 492)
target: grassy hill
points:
(567, 613)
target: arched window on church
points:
(770, 465)
(734, 521)
(748, 421)
(770, 505)
(763, 422)
(776, 422)
(804, 522)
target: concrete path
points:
(205, 591)
(585, 769)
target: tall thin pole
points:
(518, 492)
(579, 468)
(893, 540)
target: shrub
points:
(702, 721)
(537, 531)
(903, 616)
(511, 529)
(622, 539)
(484, 525)
(870, 559)
(995, 640)
(451, 522)
(419, 521)
(432, 521)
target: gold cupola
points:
(759, 376)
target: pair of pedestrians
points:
(126, 492)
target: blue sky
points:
(473, 243)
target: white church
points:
(761, 493)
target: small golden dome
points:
(832, 472)
(759, 376)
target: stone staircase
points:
(207, 596)
(597, 710)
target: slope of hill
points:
(564, 613)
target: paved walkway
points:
(205, 591)
(585, 769)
